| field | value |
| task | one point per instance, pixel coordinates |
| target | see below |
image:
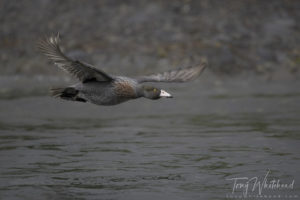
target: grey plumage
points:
(178, 75)
(83, 71)
(99, 88)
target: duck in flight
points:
(98, 87)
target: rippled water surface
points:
(181, 148)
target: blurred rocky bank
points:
(136, 37)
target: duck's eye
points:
(154, 90)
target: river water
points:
(188, 147)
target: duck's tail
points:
(68, 93)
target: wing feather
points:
(178, 75)
(80, 70)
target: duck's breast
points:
(125, 87)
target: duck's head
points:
(154, 93)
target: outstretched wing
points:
(83, 71)
(178, 75)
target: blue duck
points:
(100, 88)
